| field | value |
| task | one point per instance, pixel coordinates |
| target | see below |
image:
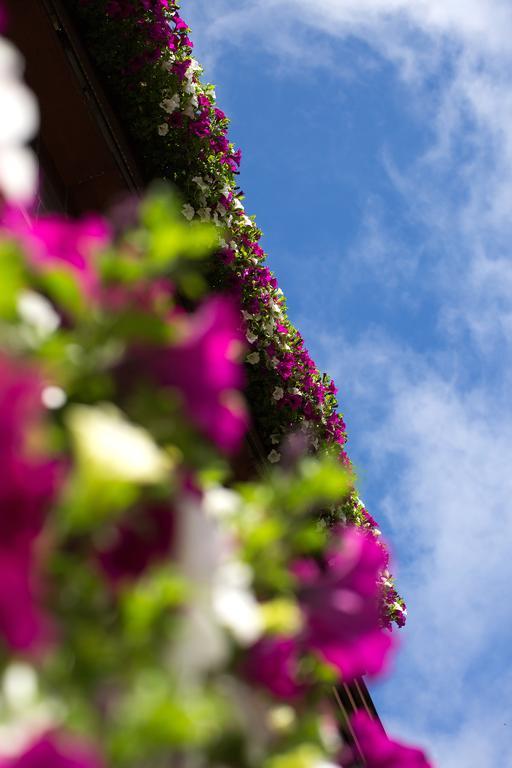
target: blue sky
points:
(377, 139)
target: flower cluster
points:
(145, 53)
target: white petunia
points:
(201, 183)
(163, 129)
(274, 456)
(109, 447)
(253, 358)
(171, 105)
(20, 120)
(251, 337)
(37, 312)
(278, 393)
(234, 604)
(53, 397)
(204, 214)
(188, 211)
(220, 502)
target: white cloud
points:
(440, 456)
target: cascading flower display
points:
(146, 56)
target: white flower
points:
(234, 604)
(163, 129)
(237, 204)
(251, 337)
(247, 221)
(189, 86)
(24, 717)
(204, 214)
(19, 685)
(111, 448)
(253, 358)
(201, 183)
(278, 393)
(220, 502)
(171, 105)
(188, 211)
(53, 397)
(246, 315)
(20, 119)
(275, 439)
(37, 312)
(189, 111)
(194, 66)
(274, 456)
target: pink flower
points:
(143, 537)
(51, 752)
(27, 487)
(181, 26)
(273, 664)
(53, 242)
(340, 602)
(381, 752)
(22, 624)
(205, 369)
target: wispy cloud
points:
(440, 457)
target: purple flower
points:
(273, 664)
(28, 485)
(55, 242)
(205, 369)
(381, 752)
(22, 624)
(181, 26)
(143, 537)
(340, 602)
(180, 68)
(52, 752)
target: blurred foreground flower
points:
(340, 601)
(51, 751)
(206, 370)
(20, 118)
(27, 488)
(53, 242)
(381, 752)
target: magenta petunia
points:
(381, 752)
(54, 242)
(22, 623)
(50, 751)
(340, 602)
(145, 536)
(273, 663)
(205, 369)
(28, 485)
